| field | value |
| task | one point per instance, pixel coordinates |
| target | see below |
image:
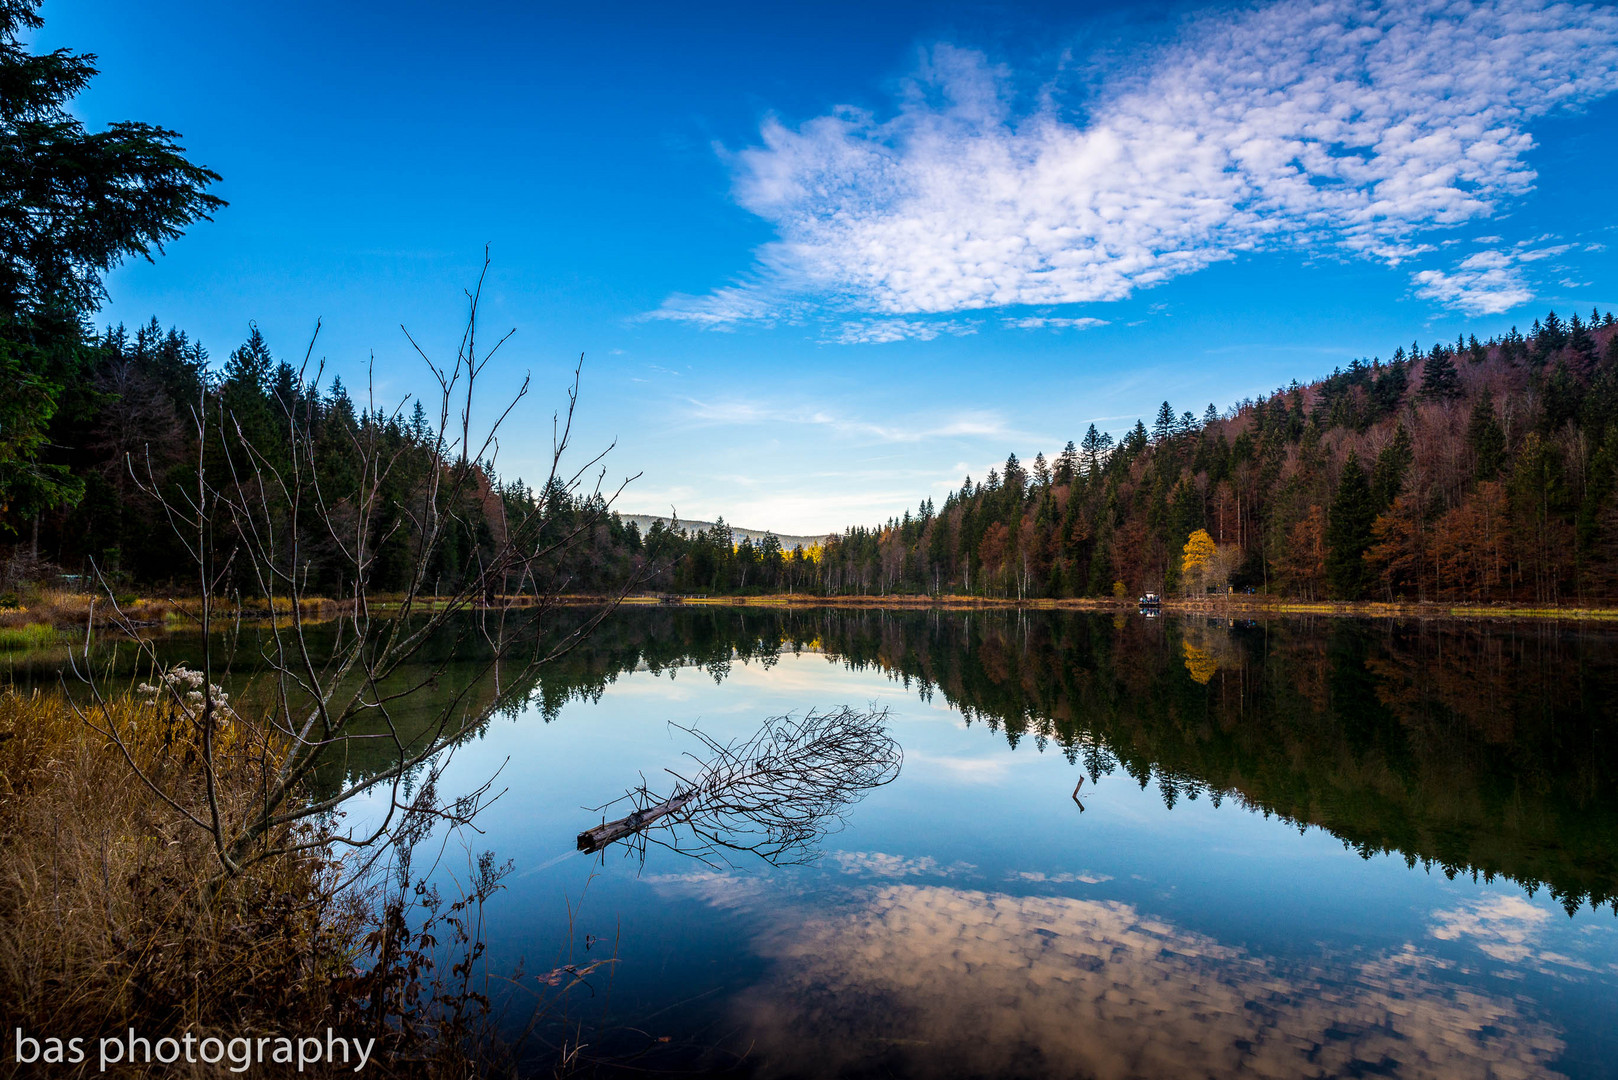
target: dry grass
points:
(62, 610)
(112, 913)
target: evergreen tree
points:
(1015, 478)
(73, 205)
(1486, 439)
(1388, 474)
(1092, 451)
(1348, 533)
(1439, 380)
(1163, 426)
(1067, 463)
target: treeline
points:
(1477, 471)
(125, 439)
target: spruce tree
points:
(1163, 426)
(1486, 439)
(1348, 533)
(73, 205)
(1067, 463)
(1439, 380)
(1388, 474)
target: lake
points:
(1305, 847)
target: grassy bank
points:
(35, 619)
(112, 911)
(55, 616)
(115, 913)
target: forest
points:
(1478, 471)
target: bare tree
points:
(258, 516)
(774, 794)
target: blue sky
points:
(824, 259)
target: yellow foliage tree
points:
(1199, 551)
(1199, 662)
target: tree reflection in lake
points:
(1483, 748)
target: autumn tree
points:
(1198, 553)
(1303, 561)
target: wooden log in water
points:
(593, 840)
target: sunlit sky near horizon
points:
(822, 260)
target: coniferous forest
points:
(1478, 471)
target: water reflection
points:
(927, 979)
(1481, 748)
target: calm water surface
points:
(1323, 848)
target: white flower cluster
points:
(184, 686)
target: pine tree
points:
(74, 204)
(1348, 533)
(1015, 479)
(1163, 427)
(1388, 474)
(1439, 380)
(1486, 439)
(1092, 450)
(1582, 345)
(1067, 463)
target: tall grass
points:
(115, 912)
(112, 911)
(27, 637)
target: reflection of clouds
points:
(881, 864)
(961, 769)
(1505, 928)
(924, 980)
(1038, 877)
(725, 891)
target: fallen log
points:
(773, 794)
(593, 840)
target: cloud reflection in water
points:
(927, 980)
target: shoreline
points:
(1225, 607)
(29, 630)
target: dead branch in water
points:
(774, 794)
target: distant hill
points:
(788, 541)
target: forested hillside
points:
(1478, 471)
(1475, 471)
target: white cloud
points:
(1486, 283)
(1344, 124)
(882, 331)
(1045, 322)
(1508, 929)
(964, 424)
